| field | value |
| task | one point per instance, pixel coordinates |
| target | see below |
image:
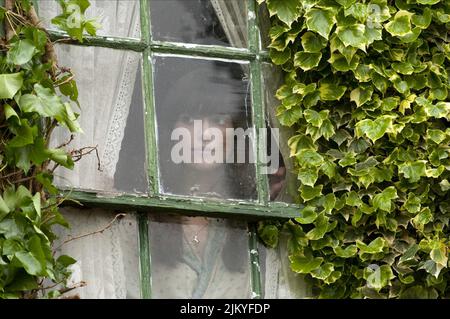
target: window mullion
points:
(257, 102)
(258, 123)
(144, 256)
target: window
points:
(159, 67)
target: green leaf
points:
(422, 21)
(307, 215)
(304, 265)
(48, 104)
(320, 228)
(361, 95)
(21, 52)
(422, 218)
(309, 158)
(438, 110)
(30, 263)
(400, 25)
(440, 255)
(380, 278)
(348, 252)
(280, 58)
(23, 282)
(10, 84)
(428, 2)
(412, 204)
(289, 117)
(331, 91)
(308, 176)
(268, 233)
(374, 130)
(306, 60)
(308, 192)
(353, 35)
(413, 171)
(313, 43)
(323, 272)
(383, 201)
(375, 246)
(287, 10)
(320, 21)
(437, 136)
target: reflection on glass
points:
(283, 183)
(212, 22)
(108, 90)
(197, 257)
(117, 17)
(203, 118)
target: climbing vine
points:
(36, 96)
(366, 95)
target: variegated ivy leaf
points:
(401, 24)
(320, 21)
(287, 10)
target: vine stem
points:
(100, 231)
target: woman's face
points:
(208, 138)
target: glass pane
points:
(213, 22)
(117, 17)
(264, 21)
(204, 115)
(197, 257)
(277, 278)
(107, 262)
(283, 183)
(109, 89)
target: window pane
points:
(213, 22)
(109, 90)
(108, 262)
(283, 183)
(203, 113)
(197, 257)
(117, 17)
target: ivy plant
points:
(36, 95)
(366, 93)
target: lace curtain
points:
(105, 79)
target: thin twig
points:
(120, 215)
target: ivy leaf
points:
(48, 104)
(331, 91)
(374, 130)
(280, 58)
(21, 52)
(380, 278)
(401, 25)
(309, 158)
(287, 10)
(313, 43)
(353, 35)
(308, 176)
(413, 171)
(307, 215)
(412, 204)
(323, 272)
(10, 84)
(304, 265)
(375, 246)
(348, 252)
(30, 263)
(383, 201)
(422, 218)
(308, 192)
(440, 255)
(306, 60)
(361, 95)
(320, 21)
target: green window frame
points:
(156, 202)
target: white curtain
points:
(105, 79)
(108, 262)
